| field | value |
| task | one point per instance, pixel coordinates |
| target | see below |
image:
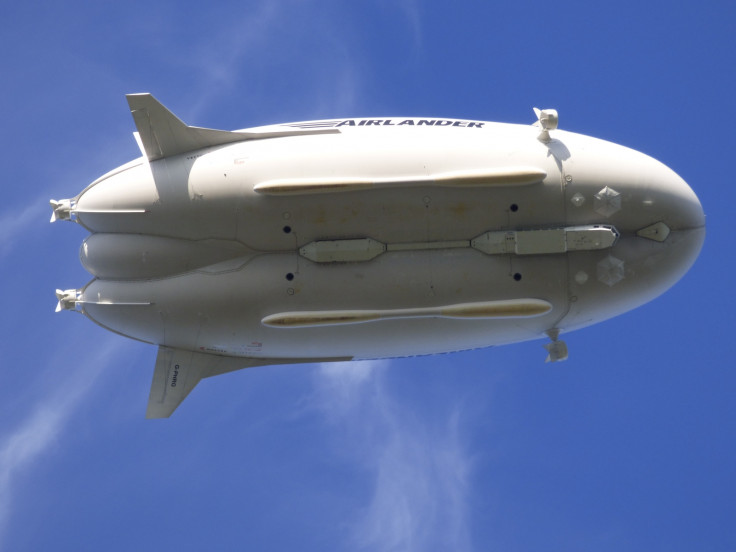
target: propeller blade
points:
(67, 299)
(62, 209)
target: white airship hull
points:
(368, 238)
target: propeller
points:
(547, 119)
(62, 209)
(67, 299)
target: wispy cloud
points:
(420, 467)
(43, 424)
(414, 18)
(278, 55)
(16, 221)
(222, 60)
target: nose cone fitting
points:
(684, 216)
(669, 198)
(659, 218)
(672, 206)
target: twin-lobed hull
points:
(344, 239)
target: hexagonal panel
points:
(610, 270)
(607, 202)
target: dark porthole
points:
(517, 277)
(514, 207)
(287, 229)
(290, 276)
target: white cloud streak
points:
(269, 40)
(16, 221)
(40, 429)
(414, 18)
(420, 468)
(222, 59)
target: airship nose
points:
(657, 215)
(668, 198)
(667, 211)
(683, 214)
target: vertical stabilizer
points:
(177, 372)
(162, 134)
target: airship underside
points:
(369, 238)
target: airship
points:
(364, 238)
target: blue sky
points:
(631, 444)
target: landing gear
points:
(557, 349)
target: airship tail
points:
(162, 134)
(178, 371)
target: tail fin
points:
(162, 134)
(177, 372)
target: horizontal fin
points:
(513, 308)
(177, 372)
(493, 177)
(162, 134)
(110, 211)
